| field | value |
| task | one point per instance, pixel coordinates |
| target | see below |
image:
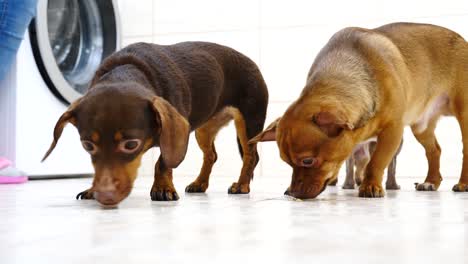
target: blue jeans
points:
(15, 16)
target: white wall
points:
(283, 37)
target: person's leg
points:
(15, 16)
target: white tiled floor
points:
(42, 223)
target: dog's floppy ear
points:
(331, 123)
(269, 134)
(173, 139)
(67, 117)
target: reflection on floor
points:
(42, 223)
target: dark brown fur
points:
(158, 94)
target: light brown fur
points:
(372, 83)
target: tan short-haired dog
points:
(368, 83)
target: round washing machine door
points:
(69, 41)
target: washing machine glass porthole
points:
(72, 38)
(76, 39)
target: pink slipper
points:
(4, 163)
(9, 174)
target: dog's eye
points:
(130, 145)
(89, 146)
(309, 162)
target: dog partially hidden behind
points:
(148, 95)
(368, 83)
(356, 165)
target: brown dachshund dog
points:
(368, 83)
(150, 95)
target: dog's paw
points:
(348, 186)
(333, 183)
(371, 190)
(425, 186)
(239, 188)
(85, 195)
(164, 193)
(392, 186)
(460, 187)
(358, 180)
(196, 187)
(288, 191)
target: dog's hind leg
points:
(349, 180)
(391, 183)
(462, 185)
(361, 158)
(205, 138)
(428, 140)
(247, 127)
(361, 165)
(241, 152)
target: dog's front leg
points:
(388, 142)
(163, 188)
(86, 194)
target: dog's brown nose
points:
(106, 198)
(305, 192)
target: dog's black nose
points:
(308, 161)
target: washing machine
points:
(65, 43)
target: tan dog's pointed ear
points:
(269, 134)
(332, 123)
(67, 117)
(175, 129)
